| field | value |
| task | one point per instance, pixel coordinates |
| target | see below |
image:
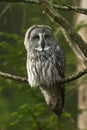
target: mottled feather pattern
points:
(45, 65)
(42, 69)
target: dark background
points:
(23, 108)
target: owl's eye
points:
(47, 36)
(36, 37)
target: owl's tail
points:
(54, 98)
(58, 107)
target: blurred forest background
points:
(23, 108)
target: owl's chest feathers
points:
(42, 70)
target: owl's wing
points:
(60, 62)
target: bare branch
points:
(24, 80)
(72, 34)
(74, 77)
(74, 47)
(13, 77)
(66, 7)
(67, 26)
(5, 9)
(74, 8)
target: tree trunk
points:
(82, 89)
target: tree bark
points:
(82, 89)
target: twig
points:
(13, 77)
(75, 48)
(74, 8)
(74, 77)
(24, 80)
(5, 9)
(66, 7)
(67, 26)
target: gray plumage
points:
(45, 65)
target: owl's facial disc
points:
(42, 43)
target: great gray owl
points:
(45, 65)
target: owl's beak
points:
(42, 44)
(42, 41)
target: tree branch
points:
(67, 26)
(5, 9)
(13, 77)
(74, 8)
(73, 35)
(75, 48)
(24, 80)
(59, 19)
(66, 7)
(74, 77)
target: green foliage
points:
(23, 108)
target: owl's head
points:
(39, 37)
